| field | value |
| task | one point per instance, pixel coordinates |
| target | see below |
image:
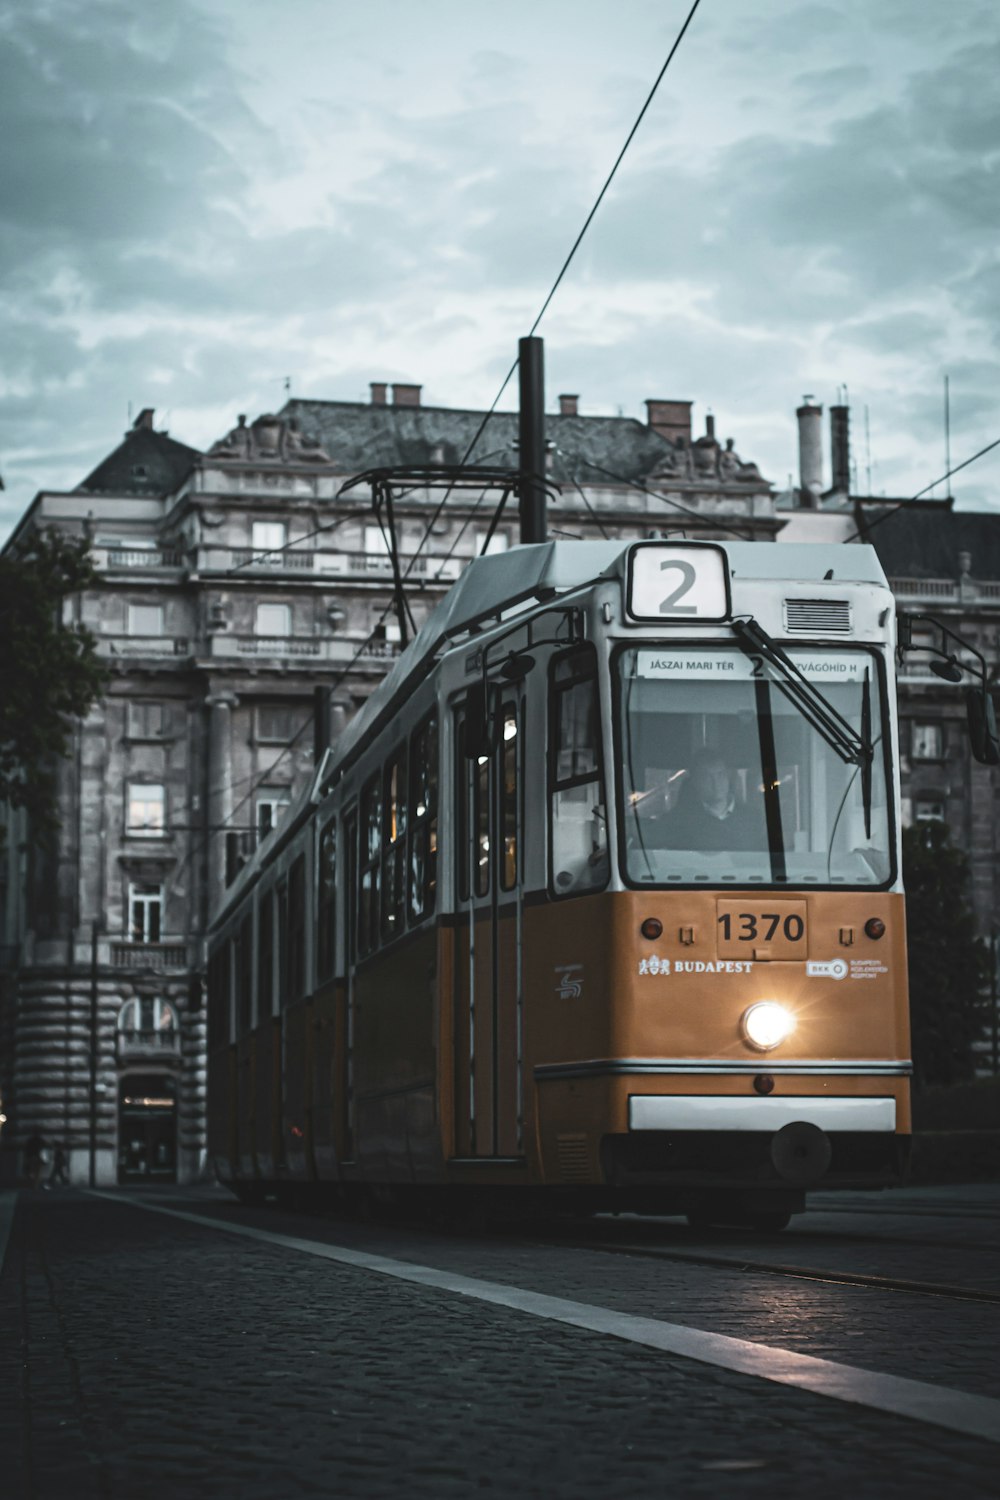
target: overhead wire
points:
(576, 244)
(481, 428)
(867, 526)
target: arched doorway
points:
(147, 1128)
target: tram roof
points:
(492, 584)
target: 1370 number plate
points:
(776, 928)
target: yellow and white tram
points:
(597, 900)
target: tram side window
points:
(423, 820)
(297, 929)
(218, 998)
(265, 956)
(281, 957)
(461, 810)
(394, 846)
(244, 970)
(510, 792)
(578, 815)
(326, 913)
(369, 862)
(481, 823)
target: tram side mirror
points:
(982, 721)
(476, 726)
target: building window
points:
(376, 541)
(271, 802)
(326, 910)
(928, 741)
(145, 907)
(928, 810)
(145, 721)
(277, 724)
(273, 620)
(144, 619)
(499, 542)
(146, 809)
(154, 1020)
(268, 536)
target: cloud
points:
(200, 204)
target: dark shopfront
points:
(147, 1128)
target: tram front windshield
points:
(725, 781)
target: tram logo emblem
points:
(569, 978)
(836, 968)
(654, 965)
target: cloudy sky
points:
(203, 198)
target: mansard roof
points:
(148, 463)
(595, 450)
(918, 541)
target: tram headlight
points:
(767, 1024)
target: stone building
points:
(230, 585)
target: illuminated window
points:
(146, 809)
(928, 810)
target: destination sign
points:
(734, 666)
(678, 582)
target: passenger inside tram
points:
(710, 812)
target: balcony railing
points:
(305, 648)
(143, 645)
(162, 1043)
(964, 591)
(157, 956)
(326, 564)
(129, 558)
(926, 588)
(289, 561)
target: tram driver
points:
(709, 814)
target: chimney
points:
(378, 389)
(810, 418)
(144, 419)
(840, 449)
(568, 406)
(710, 427)
(670, 419)
(406, 395)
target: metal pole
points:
(947, 435)
(93, 1055)
(531, 367)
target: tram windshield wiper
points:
(853, 748)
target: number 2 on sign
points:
(669, 605)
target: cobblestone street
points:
(148, 1355)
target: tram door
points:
(345, 1036)
(488, 1009)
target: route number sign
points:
(678, 583)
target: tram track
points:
(800, 1273)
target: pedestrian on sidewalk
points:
(59, 1177)
(35, 1158)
